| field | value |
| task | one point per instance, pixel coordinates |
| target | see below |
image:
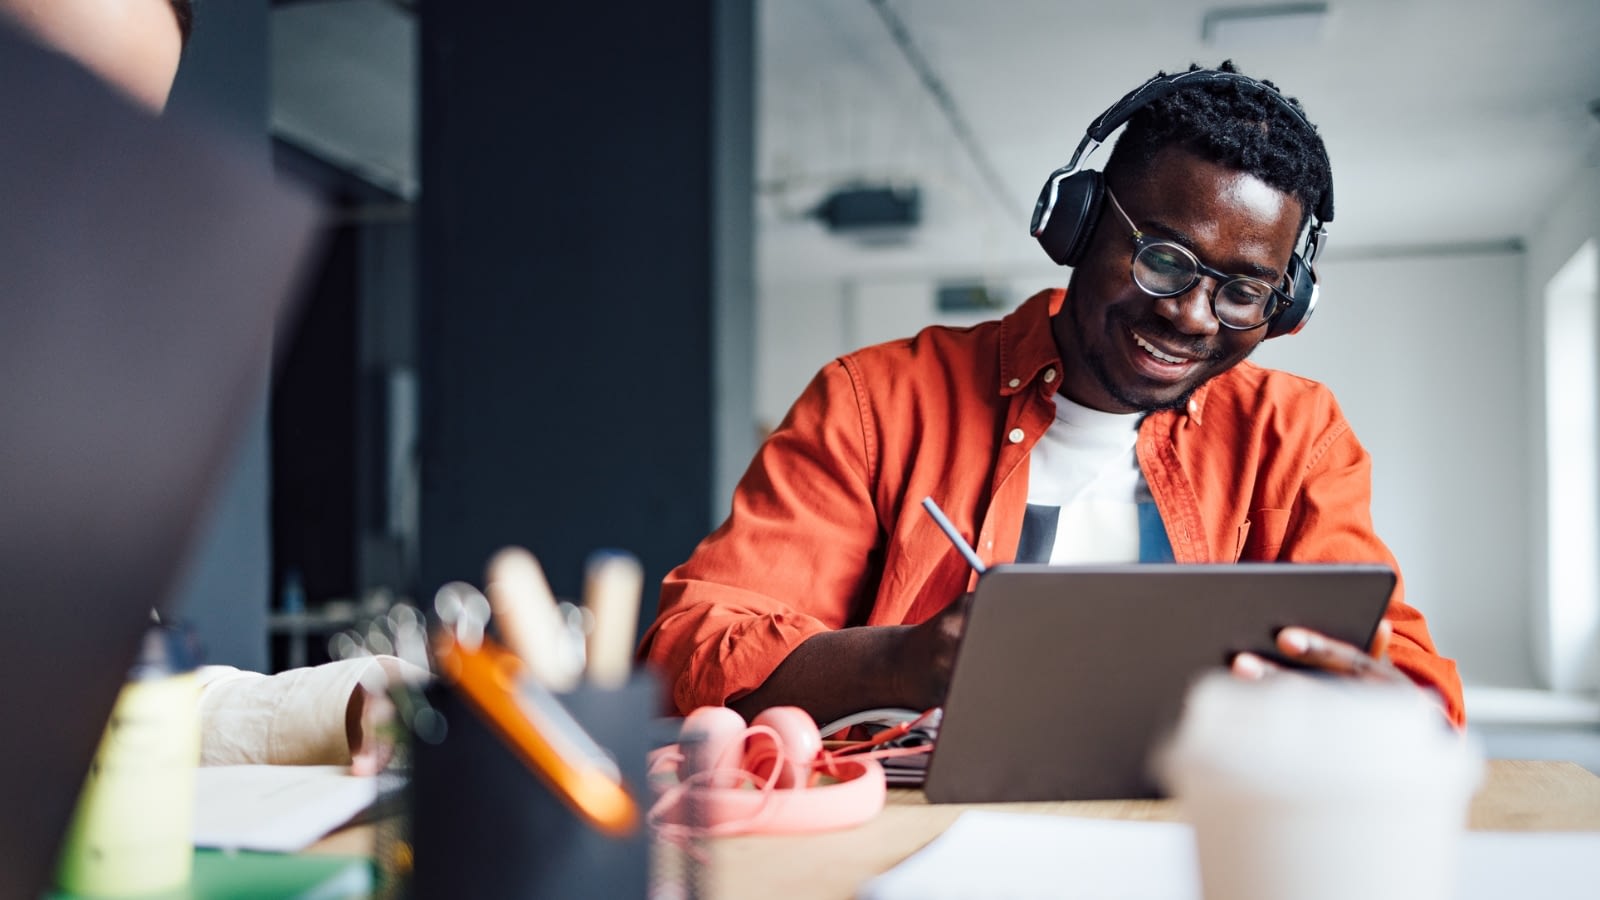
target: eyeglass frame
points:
(1223, 279)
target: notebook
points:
(244, 875)
(142, 270)
(1067, 677)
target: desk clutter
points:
(559, 778)
(519, 737)
(526, 752)
(534, 769)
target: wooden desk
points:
(1516, 796)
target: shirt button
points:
(1015, 382)
(1049, 375)
(1016, 435)
(1193, 406)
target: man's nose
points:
(1190, 312)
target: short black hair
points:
(184, 10)
(1235, 125)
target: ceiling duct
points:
(1277, 25)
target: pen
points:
(954, 535)
(613, 583)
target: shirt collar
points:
(1028, 349)
(1027, 346)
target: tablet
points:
(1068, 676)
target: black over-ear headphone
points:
(1069, 204)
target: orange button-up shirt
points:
(827, 530)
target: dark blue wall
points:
(566, 329)
(222, 81)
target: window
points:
(1572, 405)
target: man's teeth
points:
(1150, 349)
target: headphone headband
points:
(1069, 204)
(1160, 86)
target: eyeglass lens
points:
(1165, 270)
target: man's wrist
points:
(897, 676)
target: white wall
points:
(223, 590)
(800, 326)
(1429, 359)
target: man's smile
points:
(1158, 353)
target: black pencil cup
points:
(483, 825)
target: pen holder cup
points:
(484, 825)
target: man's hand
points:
(1321, 652)
(927, 655)
(836, 673)
(369, 719)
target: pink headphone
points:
(772, 776)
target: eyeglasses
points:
(1162, 268)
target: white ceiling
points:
(1450, 123)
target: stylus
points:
(954, 535)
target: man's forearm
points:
(835, 673)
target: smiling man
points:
(1115, 421)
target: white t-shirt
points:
(1087, 499)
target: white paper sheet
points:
(1020, 856)
(1014, 855)
(1549, 865)
(275, 808)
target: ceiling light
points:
(1241, 27)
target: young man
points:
(320, 715)
(1115, 421)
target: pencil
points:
(613, 584)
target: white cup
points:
(1316, 788)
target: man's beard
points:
(1152, 326)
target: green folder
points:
(243, 875)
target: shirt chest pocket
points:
(1261, 536)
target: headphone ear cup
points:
(782, 747)
(1070, 227)
(707, 737)
(790, 753)
(1304, 290)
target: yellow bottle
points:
(132, 831)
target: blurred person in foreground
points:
(324, 715)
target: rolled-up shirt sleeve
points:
(794, 558)
(291, 718)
